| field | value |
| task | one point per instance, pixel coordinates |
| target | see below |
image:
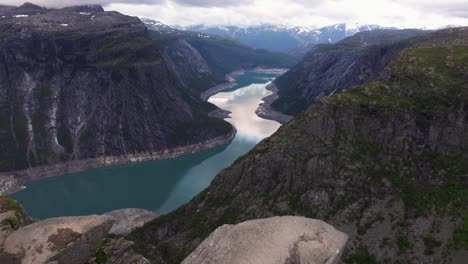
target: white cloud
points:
(400, 13)
(63, 3)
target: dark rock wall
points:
(96, 86)
(330, 68)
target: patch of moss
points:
(431, 245)
(127, 50)
(174, 255)
(460, 234)
(361, 256)
(7, 204)
(403, 243)
(100, 254)
(12, 222)
(386, 243)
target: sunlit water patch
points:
(163, 185)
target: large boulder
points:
(287, 239)
(70, 240)
(126, 220)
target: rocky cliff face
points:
(189, 66)
(331, 68)
(82, 83)
(384, 162)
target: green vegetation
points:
(431, 245)
(460, 234)
(403, 244)
(13, 223)
(184, 134)
(7, 204)
(425, 80)
(361, 256)
(127, 50)
(100, 254)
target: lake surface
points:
(160, 186)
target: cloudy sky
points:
(400, 13)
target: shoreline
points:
(14, 181)
(11, 182)
(265, 110)
(231, 81)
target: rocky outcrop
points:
(278, 240)
(12, 217)
(188, 65)
(126, 220)
(116, 251)
(60, 240)
(84, 239)
(384, 162)
(265, 110)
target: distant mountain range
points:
(295, 40)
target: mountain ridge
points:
(383, 162)
(283, 38)
(330, 68)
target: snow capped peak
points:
(352, 26)
(156, 25)
(159, 27)
(151, 22)
(282, 38)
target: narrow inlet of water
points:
(160, 186)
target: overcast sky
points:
(399, 13)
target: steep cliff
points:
(331, 68)
(79, 83)
(384, 162)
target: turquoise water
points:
(160, 186)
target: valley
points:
(163, 185)
(124, 140)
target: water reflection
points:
(160, 186)
(242, 104)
